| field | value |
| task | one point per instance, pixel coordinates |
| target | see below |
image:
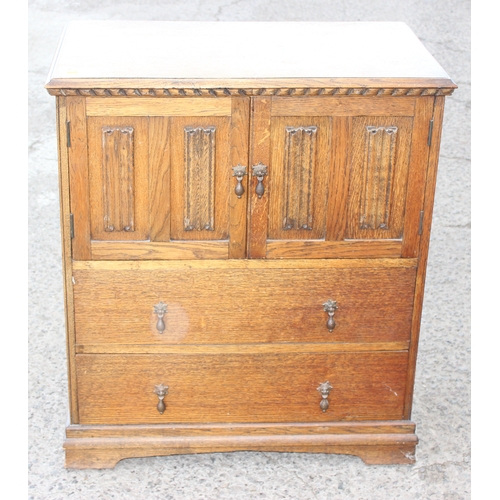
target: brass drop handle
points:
(239, 171)
(330, 306)
(324, 389)
(160, 311)
(259, 171)
(161, 391)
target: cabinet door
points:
(345, 176)
(152, 178)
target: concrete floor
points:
(442, 391)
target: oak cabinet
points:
(244, 245)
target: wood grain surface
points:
(118, 177)
(119, 389)
(94, 446)
(219, 306)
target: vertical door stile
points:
(64, 193)
(339, 180)
(79, 178)
(260, 153)
(417, 175)
(159, 178)
(240, 125)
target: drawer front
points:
(120, 389)
(169, 305)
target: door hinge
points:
(71, 226)
(429, 137)
(421, 223)
(68, 134)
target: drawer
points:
(241, 302)
(119, 389)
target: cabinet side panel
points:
(66, 255)
(430, 188)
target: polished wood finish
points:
(430, 189)
(359, 149)
(75, 136)
(200, 178)
(158, 174)
(282, 87)
(180, 274)
(342, 106)
(66, 233)
(240, 125)
(240, 387)
(260, 152)
(285, 305)
(121, 106)
(417, 176)
(118, 178)
(254, 348)
(244, 264)
(378, 442)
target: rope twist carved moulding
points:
(226, 92)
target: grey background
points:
(442, 390)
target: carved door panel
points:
(157, 179)
(338, 175)
(118, 178)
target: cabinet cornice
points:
(250, 92)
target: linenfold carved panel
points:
(199, 169)
(118, 178)
(378, 176)
(300, 156)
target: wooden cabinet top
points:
(134, 57)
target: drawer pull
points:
(259, 171)
(324, 389)
(160, 311)
(330, 306)
(161, 391)
(239, 171)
